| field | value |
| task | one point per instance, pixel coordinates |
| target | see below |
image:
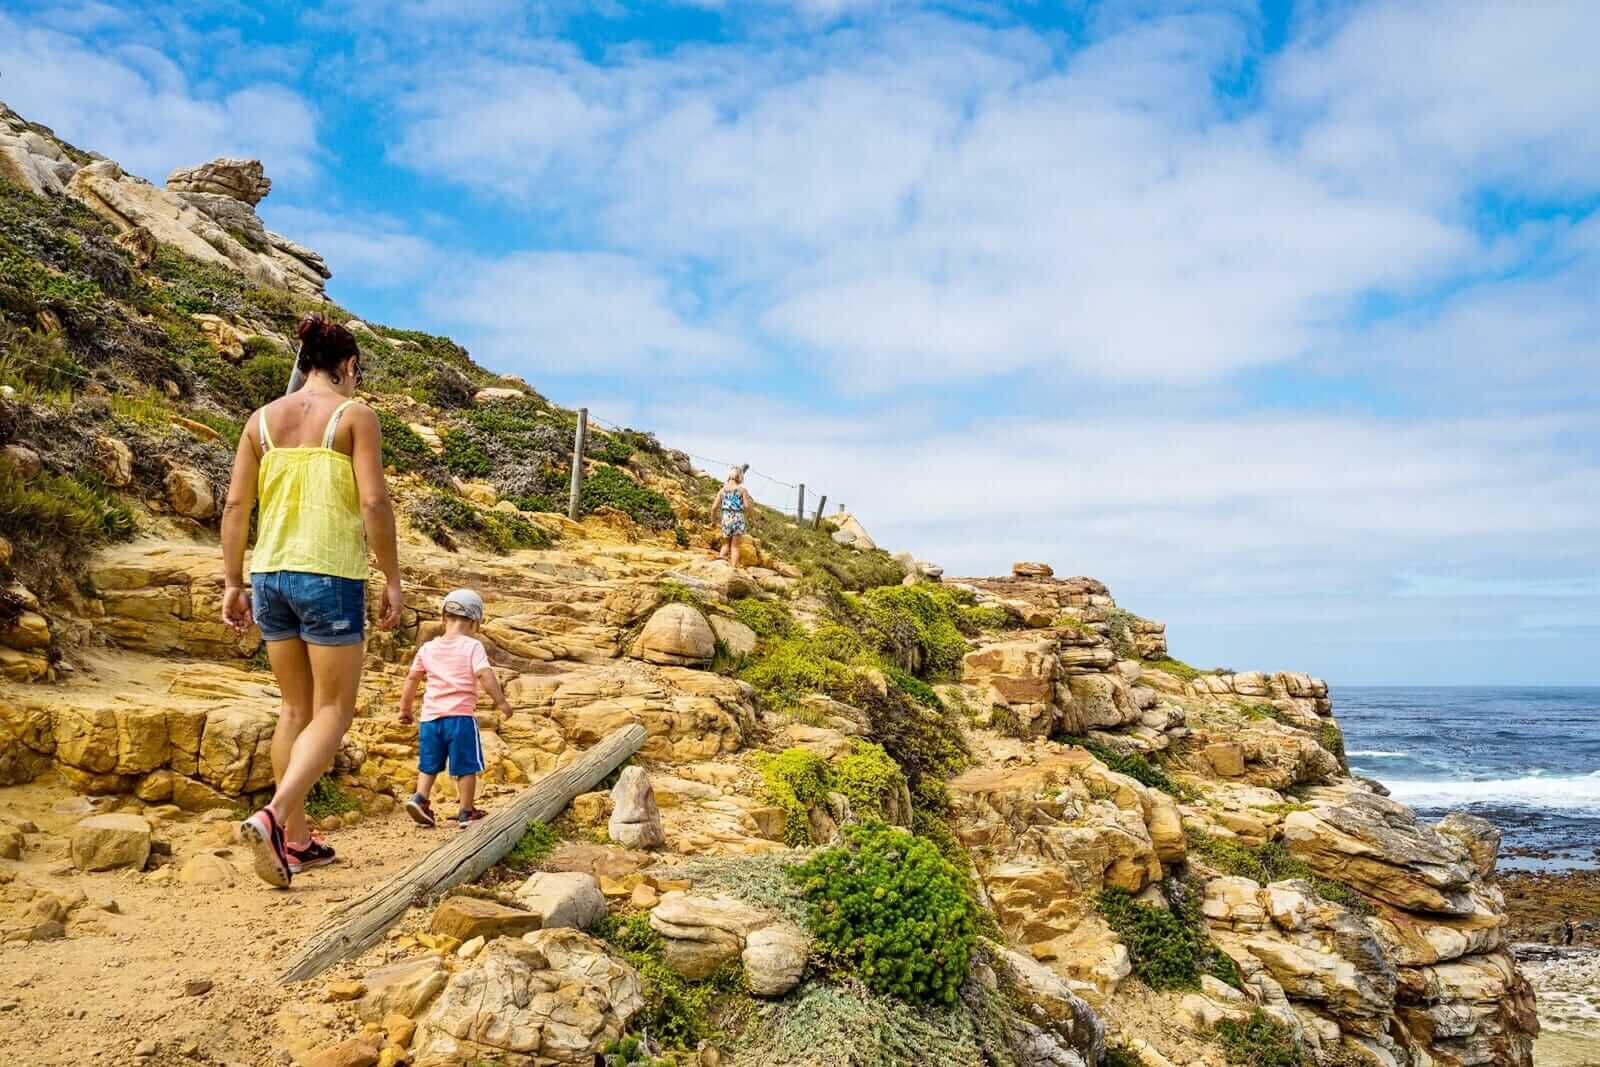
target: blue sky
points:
(1279, 318)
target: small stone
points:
(190, 494)
(471, 947)
(399, 1029)
(644, 897)
(1032, 570)
(21, 459)
(196, 987)
(206, 869)
(332, 822)
(564, 898)
(342, 991)
(145, 1049)
(353, 1052)
(590, 809)
(775, 959)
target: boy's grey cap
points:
(466, 603)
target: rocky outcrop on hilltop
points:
(206, 211)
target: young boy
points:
(454, 664)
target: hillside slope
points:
(1105, 855)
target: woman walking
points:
(313, 459)
(734, 506)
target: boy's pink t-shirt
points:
(451, 665)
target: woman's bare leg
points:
(336, 675)
(292, 667)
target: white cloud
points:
(136, 105)
(371, 251)
(578, 313)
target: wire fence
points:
(799, 488)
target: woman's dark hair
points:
(324, 345)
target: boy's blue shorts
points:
(455, 736)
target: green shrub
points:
(60, 511)
(534, 846)
(1175, 667)
(678, 1013)
(402, 448)
(615, 450)
(503, 532)
(913, 687)
(818, 557)
(464, 455)
(868, 778)
(327, 797)
(265, 376)
(1121, 1057)
(1260, 1041)
(926, 742)
(795, 779)
(606, 486)
(785, 669)
(1331, 738)
(1168, 947)
(888, 908)
(1135, 765)
(768, 618)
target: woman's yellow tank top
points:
(310, 518)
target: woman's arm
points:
(716, 505)
(377, 513)
(236, 525)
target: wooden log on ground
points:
(362, 923)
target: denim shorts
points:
(455, 736)
(318, 609)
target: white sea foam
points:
(1566, 793)
(1376, 753)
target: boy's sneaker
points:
(420, 810)
(263, 834)
(470, 815)
(311, 854)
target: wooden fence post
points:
(580, 439)
(800, 509)
(816, 524)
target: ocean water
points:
(1526, 759)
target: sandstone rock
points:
(351, 1052)
(1098, 701)
(155, 787)
(105, 842)
(1032, 570)
(239, 179)
(1378, 846)
(677, 635)
(24, 462)
(225, 340)
(1021, 677)
(115, 460)
(735, 636)
(563, 898)
(404, 988)
(1226, 758)
(775, 959)
(30, 632)
(495, 392)
(555, 997)
(468, 917)
(590, 809)
(194, 796)
(11, 842)
(1477, 835)
(851, 533)
(1053, 1003)
(635, 820)
(206, 869)
(703, 932)
(190, 493)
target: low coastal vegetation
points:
(1168, 946)
(1270, 862)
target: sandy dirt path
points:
(117, 982)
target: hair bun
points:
(313, 323)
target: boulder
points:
(851, 533)
(677, 635)
(635, 819)
(464, 918)
(1032, 570)
(1378, 846)
(115, 460)
(735, 636)
(703, 932)
(105, 842)
(190, 494)
(206, 869)
(1052, 1002)
(563, 898)
(23, 461)
(775, 959)
(495, 392)
(351, 1052)
(403, 989)
(555, 997)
